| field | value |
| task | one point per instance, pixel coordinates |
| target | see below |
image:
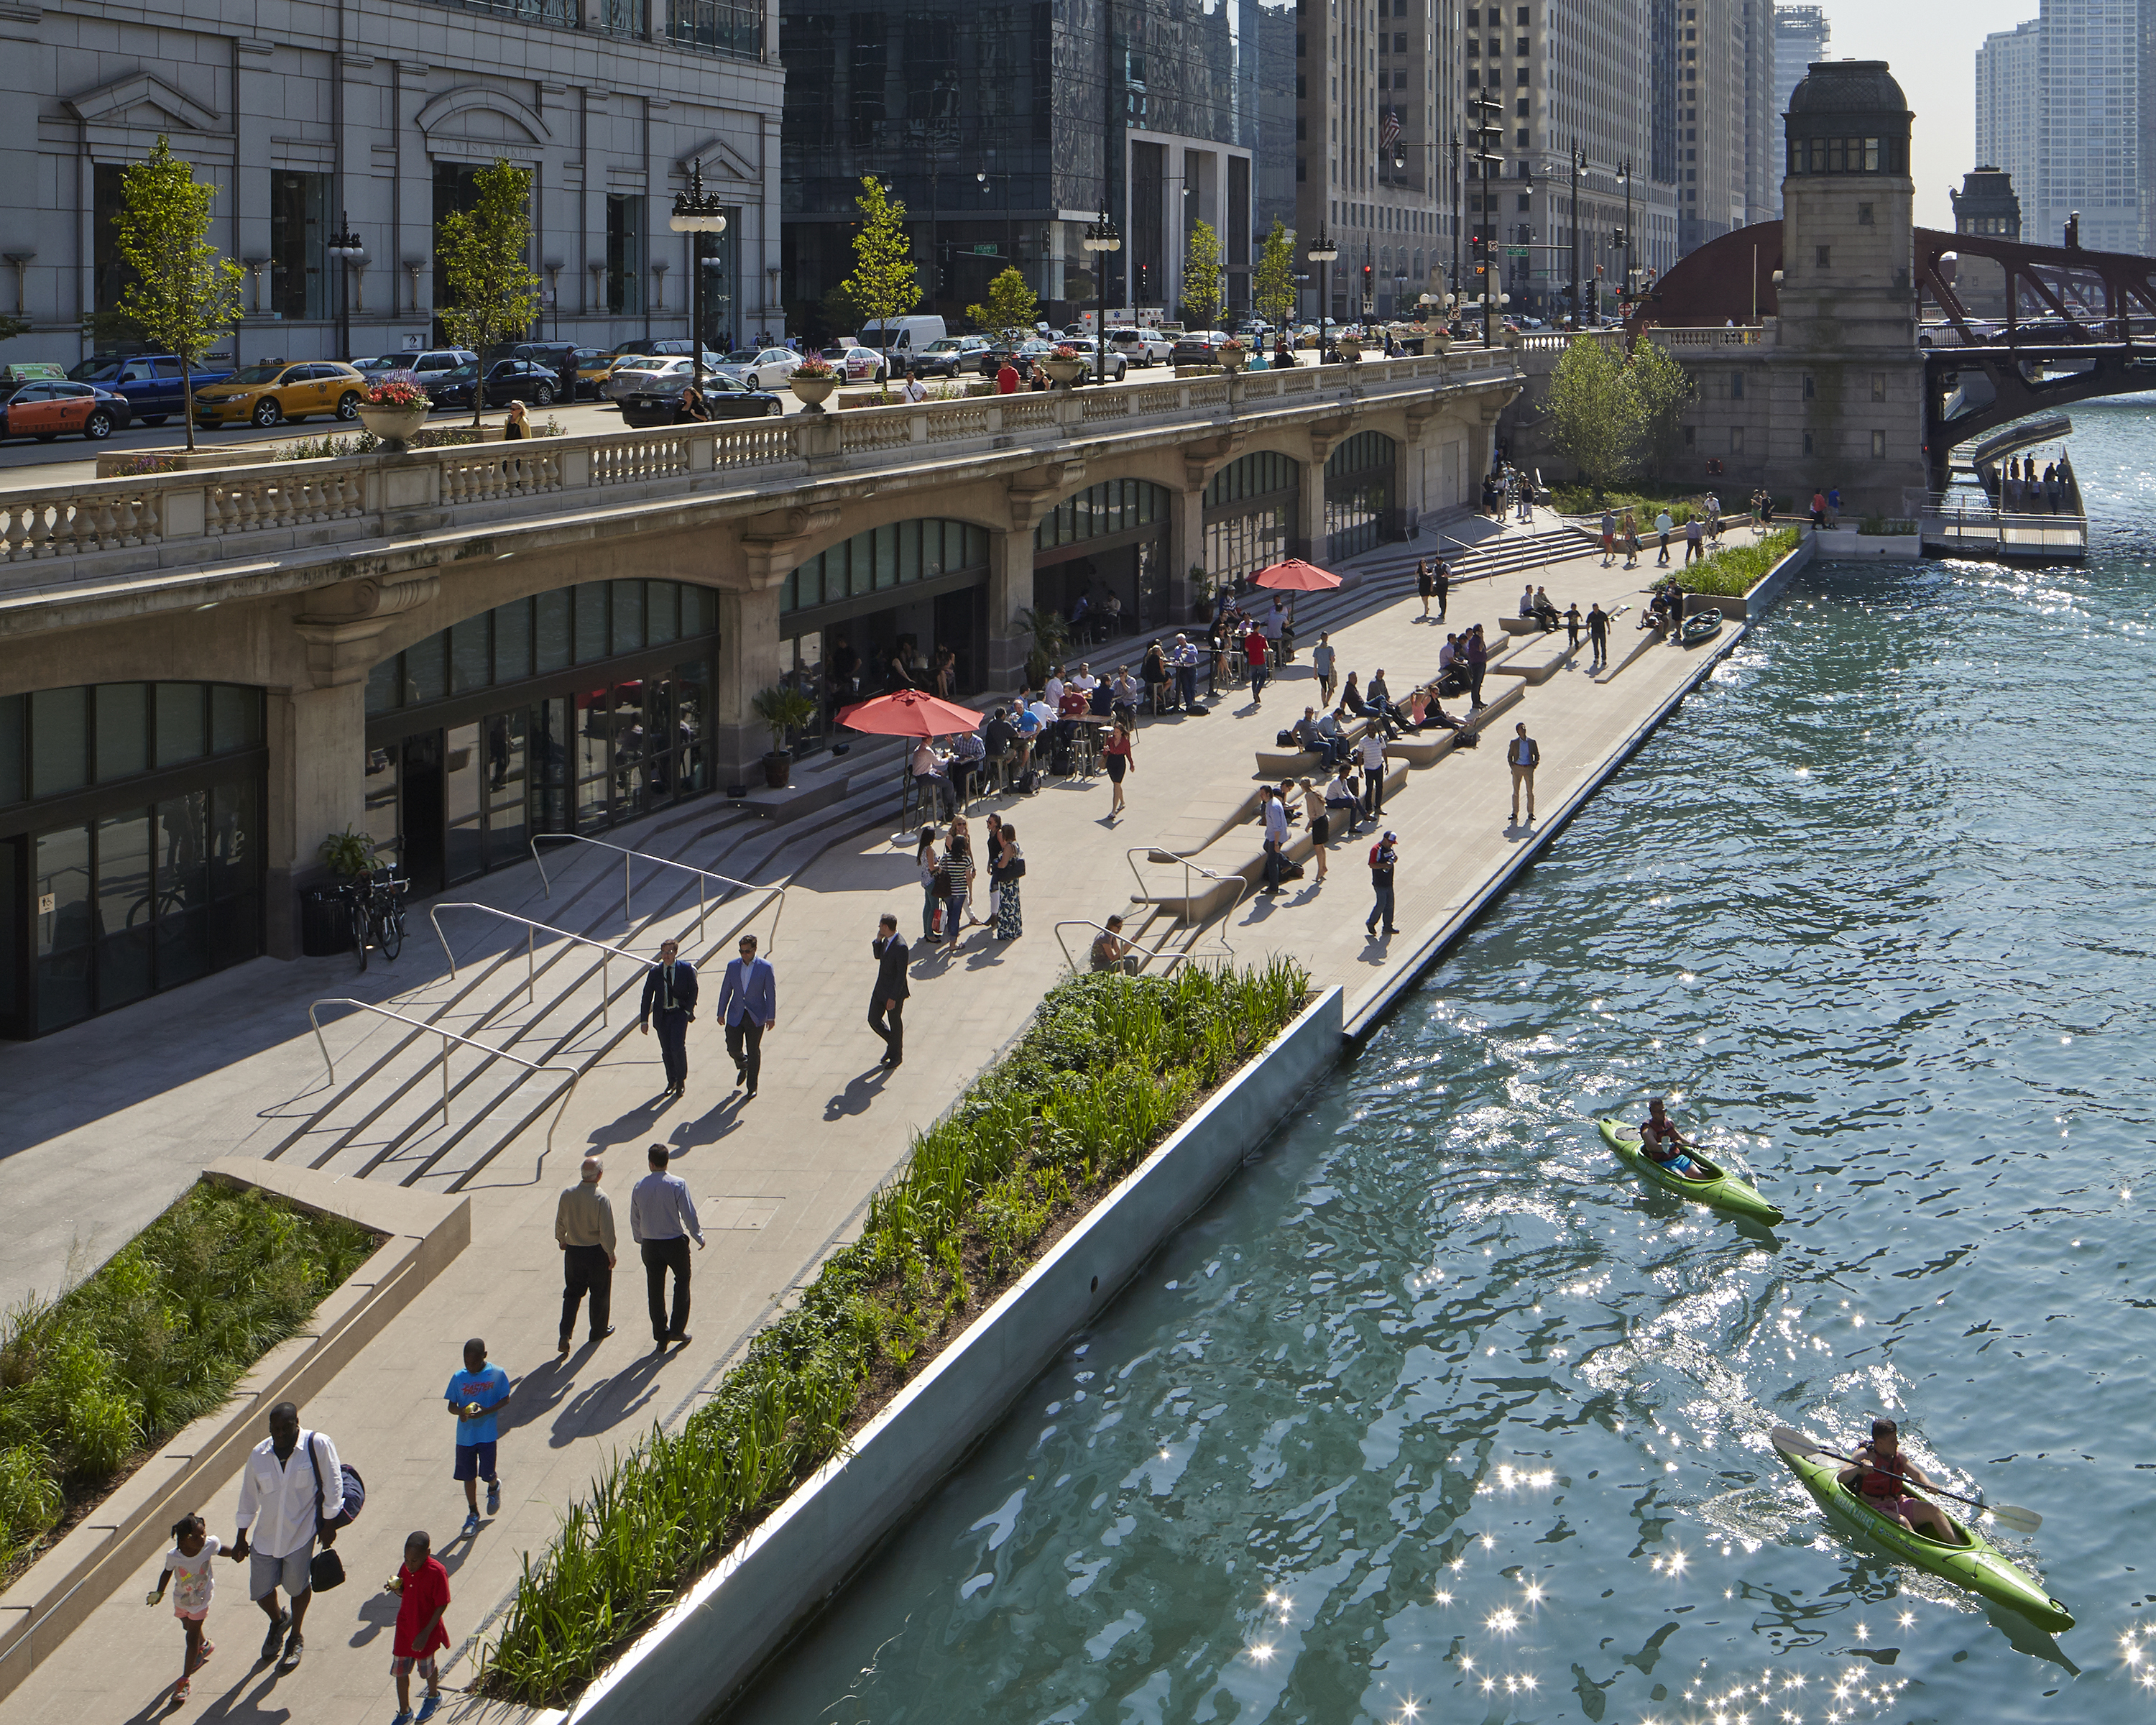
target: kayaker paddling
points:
(1666, 1145)
(1883, 1476)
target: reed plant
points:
(1108, 1066)
(1736, 569)
(156, 1338)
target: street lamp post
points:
(697, 212)
(1322, 254)
(1578, 167)
(1101, 239)
(1624, 173)
(345, 247)
(1455, 141)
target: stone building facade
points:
(305, 114)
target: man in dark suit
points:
(887, 1005)
(670, 997)
(748, 1006)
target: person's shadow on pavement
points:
(609, 1400)
(859, 1093)
(716, 1123)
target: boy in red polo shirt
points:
(421, 1587)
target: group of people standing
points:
(2024, 490)
(950, 872)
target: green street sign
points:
(1516, 251)
(987, 248)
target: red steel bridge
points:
(2077, 324)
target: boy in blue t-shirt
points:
(474, 1393)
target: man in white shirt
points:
(1524, 756)
(1085, 682)
(1274, 814)
(1041, 710)
(1373, 769)
(1052, 690)
(279, 1508)
(915, 390)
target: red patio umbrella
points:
(911, 712)
(1296, 575)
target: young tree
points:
(183, 295)
(1663, 389)
(883, 283)
(1274, 289)
(1595, 414)
(1201, 277)
(485, 254)
(1011, 308)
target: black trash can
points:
(325, 930)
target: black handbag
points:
(326, 1571)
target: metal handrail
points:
(531, 949)
(702, 875)
(1154, 853)
(1098, 928)
(314, 1018)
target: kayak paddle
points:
(2008, 1515)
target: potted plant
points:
(1065, 366)
(1234, 354)
(324, 928)
(1052, 638)
(1351, 347)
(785, 710)
(813, 382)
(393, 408)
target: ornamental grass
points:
(1736, 569)
(1108, 1067)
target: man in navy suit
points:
(669, 997)
(748, 1006)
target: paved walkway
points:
(778, 1179)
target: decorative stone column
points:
(747, 664)
(1010, 591)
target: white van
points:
(901, 338)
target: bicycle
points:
(374, 906)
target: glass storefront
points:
(131, 844)
(1358, 490)
(884, 610)
(1252, 509)
(570, 712)
(1099, 559)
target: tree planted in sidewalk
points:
(485, 254)
(1201, 277)
(1273, 292)
(1594, 414)
(182, 295)
(883, 284)
(1011, 308)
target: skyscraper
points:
(2010, 103)
(1800, 37)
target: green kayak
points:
(1724, 1192)
(1698, 627)
(1977, 1565)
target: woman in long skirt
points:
(1011, 916)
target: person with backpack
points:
(285, 1506)
(1384, 856)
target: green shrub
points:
(1736, 569)
(1109, 1064)
(158, 1338)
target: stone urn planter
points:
(1234, 359)
(1351, 348)
(812, 391)
(1063, 372)
(393, 428)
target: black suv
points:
(559, 357)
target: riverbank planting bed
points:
(1735, 570)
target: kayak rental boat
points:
(1698, 627)
(1978, 1565)
(1724, 1191)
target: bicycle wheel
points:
(356, 912)
(389, 936)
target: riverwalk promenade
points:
(108, 1121)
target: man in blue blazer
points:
(669, 999)
(748, 1006)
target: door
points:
(424, 815)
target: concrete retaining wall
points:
(712, 1642)
(59, 1591)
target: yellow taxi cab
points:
(592, 365)
(275, 391)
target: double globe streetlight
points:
(1322, 255)
(1101, 239)
(344, 245)
(696, 211)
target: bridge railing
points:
(1664, 335)
(149, 521)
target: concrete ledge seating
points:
(1277, 764)
(1429, 747)
(1536, 660)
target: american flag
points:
(1388, 136)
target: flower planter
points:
(1351, 348)
(1234, 359)
(812, 393)
(392, 426)
(1063, 372)
(778, 769)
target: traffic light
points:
(1366, 281)
(1617, 239)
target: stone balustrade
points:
(151, 522)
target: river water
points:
(1434, 1415)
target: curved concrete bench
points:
(1536, 660)
(1429, 748)
(1275, 764)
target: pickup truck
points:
(150, 383)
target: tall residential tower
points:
(1801, 37)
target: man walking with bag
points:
(1384, 856)
(662, 1217)
(1525, 755)
(583, 1228)
(748, 1006)
(669, 997)
(291, 1492)
(887, 1005)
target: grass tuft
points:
(1734, 570)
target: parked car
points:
(273, 391)
(150, 383)
(46, 408)
(381, 365)
(632, 373)
(949, 356)
(593, 364)
(1021, 356)
(506, 380)
(2052, 331)
(437, 362)
(1198, 347)
(1114, 368)
(660, 402)
(760, 367)
(559, 357)
(1141, 347)
(856, 363)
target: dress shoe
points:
(597, 1337)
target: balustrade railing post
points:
(445, 1083)
(532, 967)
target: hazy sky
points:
(1931, 44)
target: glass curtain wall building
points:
(1005, 130)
